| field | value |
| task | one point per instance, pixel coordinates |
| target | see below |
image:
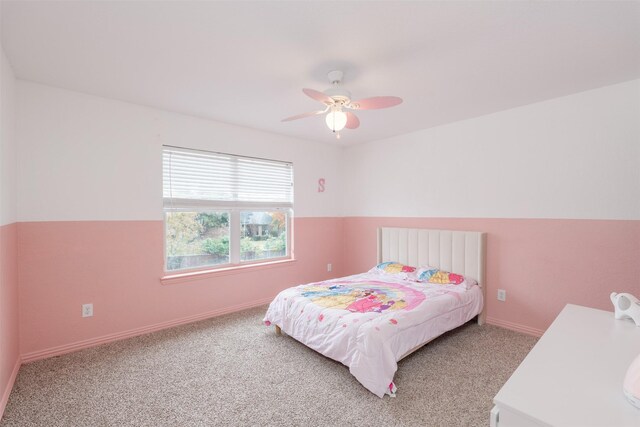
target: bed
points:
(372, 320)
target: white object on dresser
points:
(573, 376)
(626, 306)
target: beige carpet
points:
(232, 370)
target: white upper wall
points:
(572, 157)
(7, 142)
(81, 157)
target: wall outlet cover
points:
(87, 310)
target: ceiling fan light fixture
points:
(336, 120)
(336, 98)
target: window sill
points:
(204, 274)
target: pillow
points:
(440, 277)
(394, 268)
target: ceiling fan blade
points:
(352, 121)
(318, 96)
(303, 115)
(375, 103)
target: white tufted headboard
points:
(461, 252)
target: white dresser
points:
(573, 376)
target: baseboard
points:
(92, 342)
(515, 327)
(7, 391)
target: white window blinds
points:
(193, 178)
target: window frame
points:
(234, 209)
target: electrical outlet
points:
(502, 295)
(329, 267)
(87, 310)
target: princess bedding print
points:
(370, 321)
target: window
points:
(225, 210)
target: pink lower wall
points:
(543, 264)
(117, 266)
(9, 342)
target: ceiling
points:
(246, 62)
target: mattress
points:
(369, 321)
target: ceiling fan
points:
(337, 99)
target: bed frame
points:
(461, 252)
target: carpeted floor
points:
(232, 370)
